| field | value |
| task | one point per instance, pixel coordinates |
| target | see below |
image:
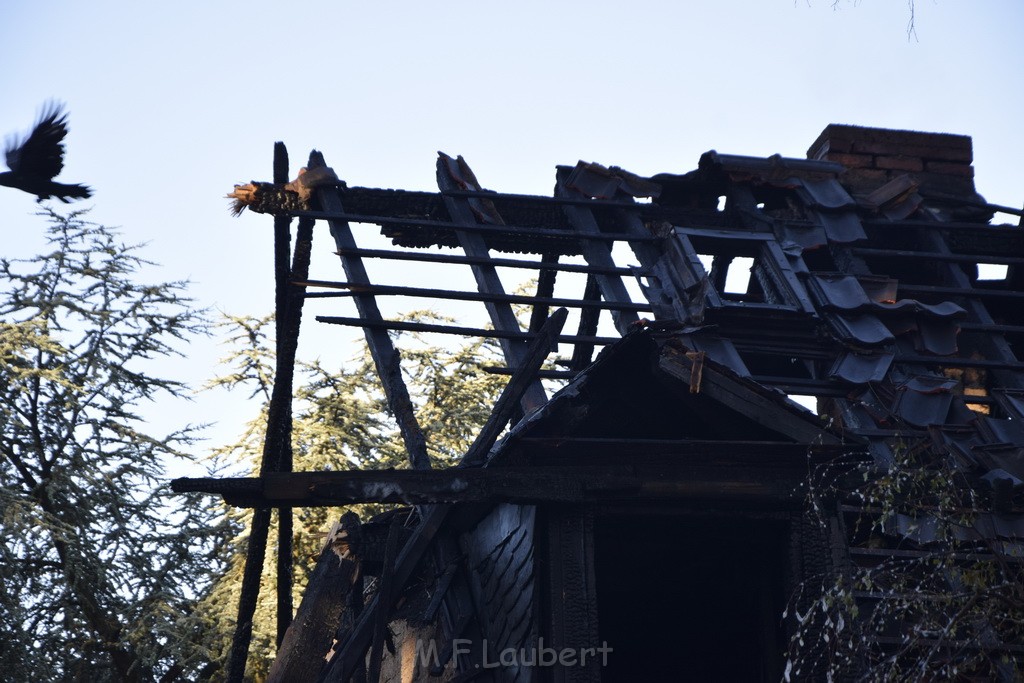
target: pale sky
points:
(172, 103)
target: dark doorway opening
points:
(690, 599)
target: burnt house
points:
(649, 519)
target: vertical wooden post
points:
(276, 449)
(572, 591)
(283, 302)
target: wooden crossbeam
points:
(410, 326)
(544, 264)
(561, 201)
(669, 481)
(504, 230)
(937, 256)
(353, 288)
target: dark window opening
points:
(690, 599)
(909, 270)
(777, 365)
(819, 260)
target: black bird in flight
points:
(39, 157)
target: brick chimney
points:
(940, 162)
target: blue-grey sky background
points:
(172, 103)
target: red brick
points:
(851, 160)
(863, 180)
(950, 169)
(913, 150)
(899, 163)
(859, 139)
(944, 182)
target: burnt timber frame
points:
(751, 333)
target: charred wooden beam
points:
(385, 356)
(598, 253)
(584, 353)
(543, 374)
(455, 295)
(641, 454)
(545, 292)
(524, 377)
(937, 256)
(454, 329)
(458, 259)
(967, 292)
(285, 298)
(571, 590)
(559, 201)
(572, 484)
(945, 226)
(300, 656)
(276, 448)
(747, 398)
(953, 362)
(499, 308)
(960, 199)
(503, 230)
(386, 595)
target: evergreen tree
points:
(100, 566)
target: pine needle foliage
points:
(100, 566)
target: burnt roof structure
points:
(867, 276)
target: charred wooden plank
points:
(747, 398)
(524, 377)
(545, 292)
(598, 254)
(276, 449)
(300, 656)
(938, 256)
(966, 291)
(572, 591)
(284, 299)
(536, 239)
(547, 263)
(486, 276)
(386, 595)
(666, 478)
(583, 353)
(385, 356)
(455, 295)
(463, 331)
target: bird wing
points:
(42, 152)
